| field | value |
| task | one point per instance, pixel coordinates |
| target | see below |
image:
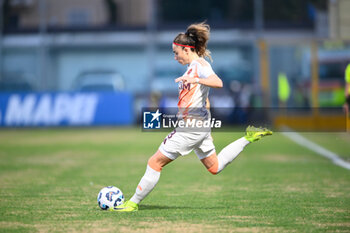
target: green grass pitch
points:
(50, 179)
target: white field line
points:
(317, 148)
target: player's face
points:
(180, 55)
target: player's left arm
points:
(207, 103)
(212, 81)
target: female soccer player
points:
(190, 48)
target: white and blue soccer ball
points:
(110, 197)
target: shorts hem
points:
(206, 154)
(170, 155)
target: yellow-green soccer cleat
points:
(128, 206)
(254, 134)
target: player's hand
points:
(185, 79)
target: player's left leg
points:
(173, 146)
(151, 176)
(147, 182)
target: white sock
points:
(230, 152)
(146, 185)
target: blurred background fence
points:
(63, 60)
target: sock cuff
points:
(243, 141)
(151, 173)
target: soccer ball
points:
(110, 197)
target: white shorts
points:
(182, 143)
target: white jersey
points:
(192, 97)
(192, 102)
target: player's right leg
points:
(216, 163)
(254, 134)
(147, 182)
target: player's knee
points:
(211, 163)
(213, 171)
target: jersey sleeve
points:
(204, 71)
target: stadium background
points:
(76, 74)
(55, 47)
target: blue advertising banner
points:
(65, 109)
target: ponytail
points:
(196, 37)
